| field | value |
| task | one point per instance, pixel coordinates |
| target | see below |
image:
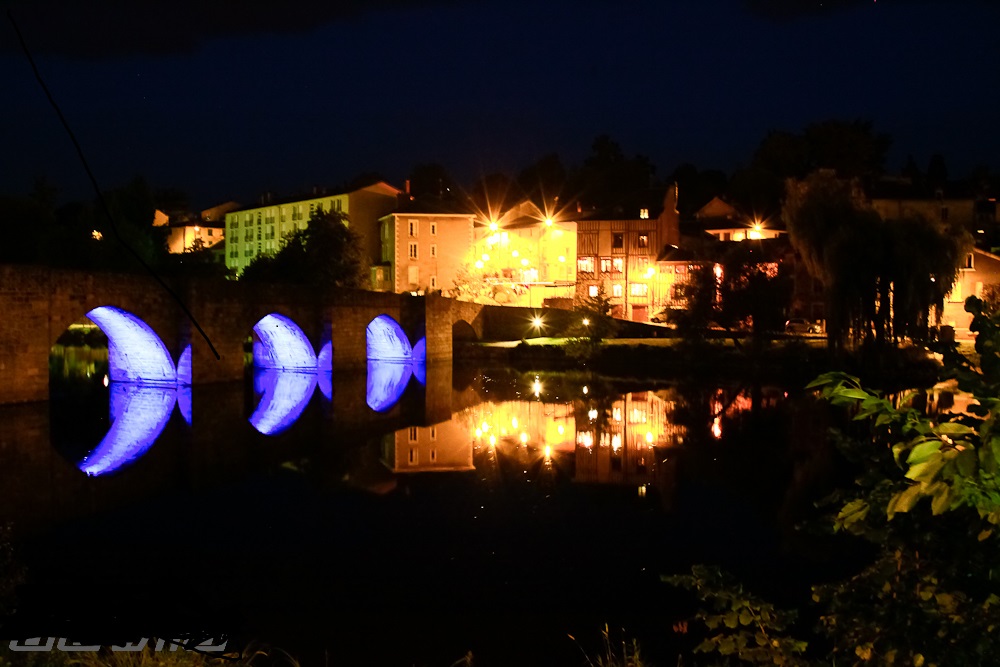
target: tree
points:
(544, 182)
(326, 255)
(431, 181)
(594, 324)
(754, 289)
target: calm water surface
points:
(395, 516)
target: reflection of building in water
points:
(725, 404)
(620, 447)
(522, 423)
(440, 447)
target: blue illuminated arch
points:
(279, 343)
(387, 381)
(324, 361)
(184, 367)
(284, 395)
(386, 340)
(135, 352)
(139, 412)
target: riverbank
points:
(790, 360)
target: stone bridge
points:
(39, 304)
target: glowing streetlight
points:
(536, 322)
(548, 222)
(494, 226)
(586, 323)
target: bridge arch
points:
(280, 343)
(385, 340)
(135, 352)
(463, 332)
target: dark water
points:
(488, 512)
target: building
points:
(421, 250)
(621, 256)
(724, 222)
(188, 232)
(980, 270)
(258, 230)
(524, 256)
(441, 447)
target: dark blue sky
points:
(227, 103)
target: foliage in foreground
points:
(931, 593)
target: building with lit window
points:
(421, 250)
(187, 232)
(621, 256)
(259, 230)
(523, 257)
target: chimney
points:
(407, 186)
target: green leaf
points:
(746, 618)
(904, 500)
(941, 499)
(967, 462)
(953, 428)
(922, 451)
(926, 470)
(850, 392)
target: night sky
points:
(224, 100)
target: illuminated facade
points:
(979, 269)
(523, 257)
(259, 230)
(187, 233)
(421, 252)
(439, 447)
(622, 256)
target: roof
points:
(672, 253)
(381, 187)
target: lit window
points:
(592, 290)
(617, 264)
(413, 250)
(644, 213)
(616, 290)
(643, 240)
(585, 264)
(639, 289)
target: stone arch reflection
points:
(139, 413)
(386, 383)
(135, 352)
(284, 395)
(279, 343)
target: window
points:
(617, 264)
(434, 250)
(414, 456)
(210, 232)
(413, 434)
(644, 213)
(956, 292)
(605, 265)
(592, 291)
(434, 282)
(969, 262)
(413, 274)
(414, 227)
(585, 265)
(641, 264)
(616, 290)
(639, 289)
(434, 456)
(434, 433)
(434, 229)
(644, 240)
(379, 275)
(413, 250)
(617, 241)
